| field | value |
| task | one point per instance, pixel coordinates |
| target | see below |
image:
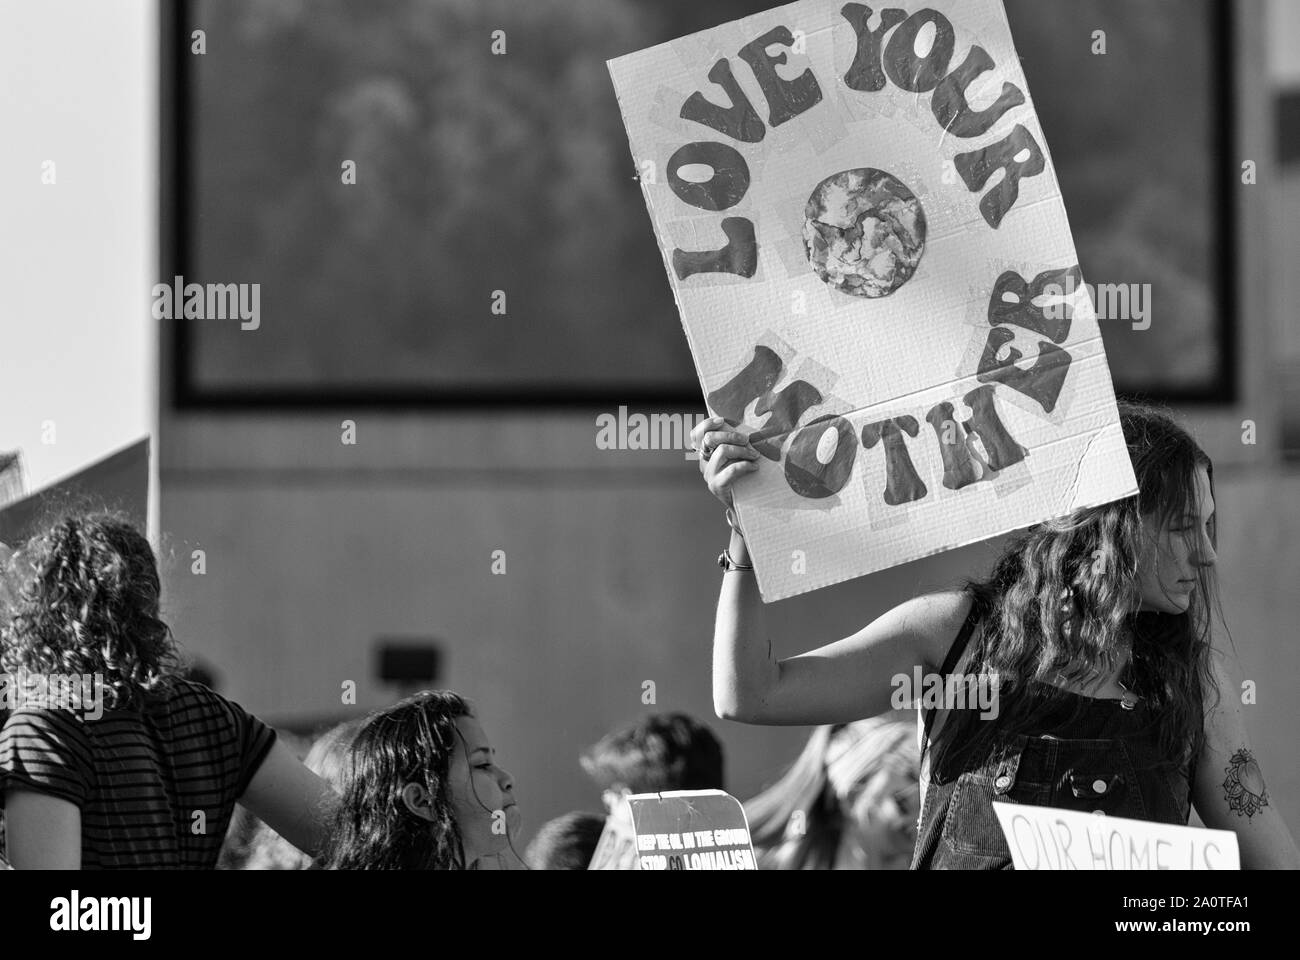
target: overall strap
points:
(950, 662)
(929, 823)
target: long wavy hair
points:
(410, 742)
(84, 599)
(801, 821)
(1063, 596)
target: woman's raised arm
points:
(840, 682)
(837, 683)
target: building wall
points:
(609, 583)
(314, 548)
(77, 251)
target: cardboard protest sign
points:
(691, 830)
(1048, 838)
(865, 236)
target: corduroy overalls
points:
(1104, 759)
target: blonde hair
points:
(801, 821)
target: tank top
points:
(1093, 755)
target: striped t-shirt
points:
(156, 786)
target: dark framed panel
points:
(477, 173)
(1142, 138)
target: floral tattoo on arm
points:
(1244, 785)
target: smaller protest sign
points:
(691, 830)
(1049, 838)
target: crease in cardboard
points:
(902, 399)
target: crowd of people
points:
(170, 774)
(1116, 697)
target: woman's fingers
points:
(718, 438)
(724, 453)
(703, 427)
(728, 463)
(728, 475)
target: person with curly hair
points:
(1093, 630)
(144, 773)
(422, 791)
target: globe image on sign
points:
(864, 232)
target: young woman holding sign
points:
(1113, 695)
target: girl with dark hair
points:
(108, 759)
(1093, 632)
(423, 792)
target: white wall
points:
(78, 86)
